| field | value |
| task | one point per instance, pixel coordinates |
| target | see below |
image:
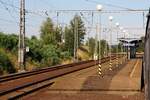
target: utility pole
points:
(75, 39)
(21, 51)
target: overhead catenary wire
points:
(47, 3)
(110, 5)
(41, 13)
(45, 13)
(14, 19)
(7, 9)
(10, 5)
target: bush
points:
(35, 50)
(9, 42)
(50, 55)
(5, 64)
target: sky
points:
(133, 22)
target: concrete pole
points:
(99, 8)
(117, 27)
(21, 51)
(110, 22)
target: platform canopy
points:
(130, 41)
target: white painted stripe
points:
(99, 69)
(100, 73)
(131, 75)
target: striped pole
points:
(117, 62)
(99, 9)
(99, 69)
(110, 63)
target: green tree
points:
(141, 45)
(91, 44)
(58, 34)
(9, 41)
(104, 46)
(69, 40)
(35, 46)
(49, 33)
(120, 47)
(50, 55)
(76, 30)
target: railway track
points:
(18, 85)
(34, 72)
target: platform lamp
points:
(110, 21)
(117, 27)
(99, 9)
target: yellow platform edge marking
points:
(131, 75)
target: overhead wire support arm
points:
(95, 11)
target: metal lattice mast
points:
(21, 52)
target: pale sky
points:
(9, 14)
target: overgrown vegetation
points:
(46, 51)
(55, 46)
(141, 46)
(5, 63)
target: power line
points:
(95, 11)
(110, 5)
(15, 7)
(47, 3)
(10, 21)
(46, 13)
(7, 9)
(11, 5)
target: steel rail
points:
(39, 71)
(56, 71)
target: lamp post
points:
(95, 51)
(121, 29)
(128, 48)
(106, 45)
(124, 31)
(117, 26)
(110, 21)
(99, 9)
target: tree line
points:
(55, 45)
(47, 50)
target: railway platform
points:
(122, 83)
